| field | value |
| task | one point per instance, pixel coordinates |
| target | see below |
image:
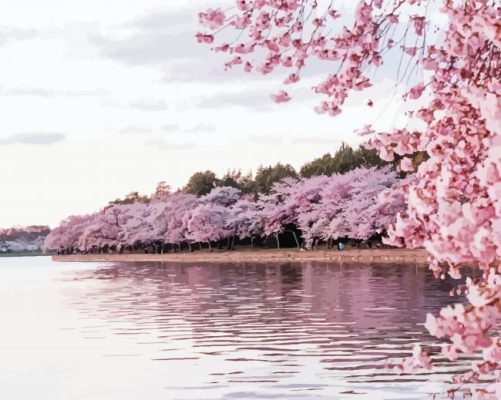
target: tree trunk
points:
(295, 238)
(210, 246)
(278, 240)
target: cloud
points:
(265, 139)
(163, 19)
(9, 33)
(256, 97)
(169, 146)
(146, 46)
(166, 38)
(33, 138)
(43, 92)
(170, 127)
(206, 66)
(253, 99)
(134, 129)
(201, 127)
(313, 140)
(149, 105)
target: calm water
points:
(157, 331)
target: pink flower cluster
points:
(212, 19)
(454, 204)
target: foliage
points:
(132, 197)
(237, 179)
(201, 183)
(267, 176)
(22, 239)
(162, 190)
(454, 206)
(307, 205)
(344, 159)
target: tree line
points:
(345, 159)
(303, 212)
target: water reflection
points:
(273, 332)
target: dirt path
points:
(380, 256)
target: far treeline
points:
(344, 159)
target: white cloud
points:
(149, 105)
(170, 127)
(33, 138)
(49, 92)
(266, 139)
(169, 146)
(127, 130)
(313, 140)
(12, 34)
(200, 127)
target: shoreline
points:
(380, 256)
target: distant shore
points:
(380, 256)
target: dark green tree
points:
(267, 176)
(201, 183)
(132, 197)
(344, 159)
(319, 166)
(363, 157)
(235, 178)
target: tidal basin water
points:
(161, 331)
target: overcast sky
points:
(99, 98)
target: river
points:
(166, 331)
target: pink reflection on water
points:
(161, 331)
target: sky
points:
(101, 98)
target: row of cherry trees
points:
(356, 205)
(448, 52)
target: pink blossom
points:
(406, 164)
(418, 23)
(393, 19)
(280, 97)
(410, 50)
(292, 78)
(212, 18)
(204, 38)
(416, 91)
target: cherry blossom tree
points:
(453, 205)
(305, 201)
(105, 229)
(66, 236)
(21, 239)
(224, 196)
(171, 217)
(139, 227)
(207, 223)
(346, 205)
(245, 219)
(277, 212)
